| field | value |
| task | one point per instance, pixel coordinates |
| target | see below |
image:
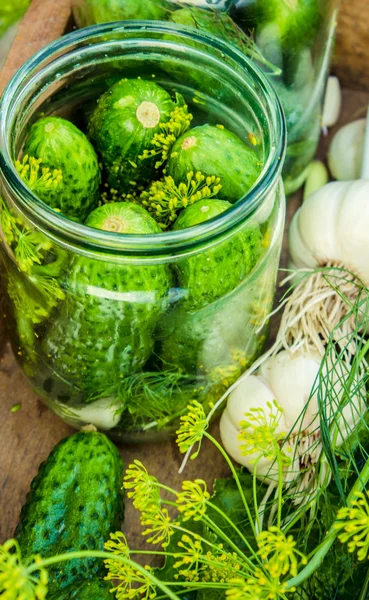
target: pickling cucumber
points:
(123, 126)
(62, 146)
(91, 12)
(213, 273)
(104, 329)
(75, 501)
(216, 151)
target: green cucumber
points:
(74, 503)
(297, 21)
(62, 146)
(91, 12)
(216, 151)
(104, 329)
(214, 273)
(93, 589)
(122, 128)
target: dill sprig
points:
(162, 142)
(165, 199)
(21, 580)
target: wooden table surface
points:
(27, 436)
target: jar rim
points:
(76, 233)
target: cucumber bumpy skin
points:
(91, 12)
(214, 273)
(62, 146)
(123, 126)
(94, 589)
(75, 501)
(215, 151)
(104, 330)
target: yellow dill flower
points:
(220, 568)
(143, 488)
(179, 121)
(117, 544)
(354, 522)
(39, 179)
(259, 587)
(130, 583)
(158, 524)
(20, 580)
(190, 558)
(192, 428)
(280, 552)
(164, 199)
(192, 500)
(258, 434)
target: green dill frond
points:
(165, 199)
(179, 121)
(39, 179)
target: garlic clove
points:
(332, 102)
(316, 226)
(346, 151)
(317, 177)
(229, 436)
(352, 226)
(292, 377)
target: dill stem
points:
(254, 494)
(236, 478)
(320, 554)
(47, 562)
(280, 486)
(228, 541)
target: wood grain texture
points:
(351, 60)
(44, 21)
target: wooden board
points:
(27, 436)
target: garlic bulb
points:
(101, 413)
(331, 228)
(345, 153)
(332, 103)
(292, 380)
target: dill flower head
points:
(164, 199)
(191, 502)
(130, 583)
(280, 552)
(192, 428)
(143, 488)
(259, 587)
(158, 525)
(117, 544)
(258, 434)
(39, 179)
(189, 559)
(162, 142)
(20, 580)
(353, 520)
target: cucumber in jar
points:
(213, 273)
(62, 146)
(91, 12)
(125, 126)
(104, 329)
(216, 151)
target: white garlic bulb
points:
(292, 380)
(331, 228)
(345, 153)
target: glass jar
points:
(291, 40)
(122, 331)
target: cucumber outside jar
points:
(142, 215)
(290, 40)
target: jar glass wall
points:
(122, 331)
(291, 40)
